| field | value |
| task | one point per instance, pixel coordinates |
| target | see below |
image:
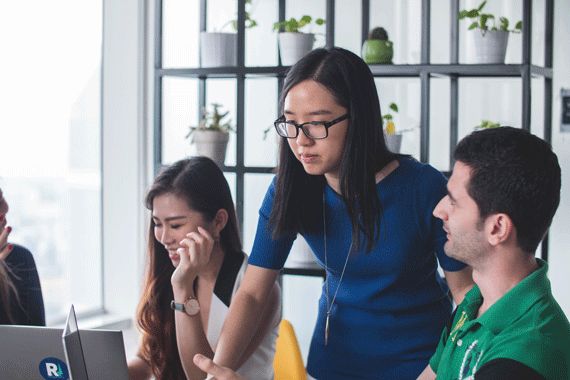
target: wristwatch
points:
(191, 306)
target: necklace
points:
(330, 303)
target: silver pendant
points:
(327, 330)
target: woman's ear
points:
(220, 220)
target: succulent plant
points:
(378, 33)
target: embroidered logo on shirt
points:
(470, 362)
(458, 325)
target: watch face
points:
(192, 307)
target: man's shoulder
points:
(539, 339)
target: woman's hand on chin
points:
(195, 253)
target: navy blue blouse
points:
(28, 309)
(392, 304)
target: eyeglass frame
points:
(326, 124)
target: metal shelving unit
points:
(424, 71)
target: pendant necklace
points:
(330, 303)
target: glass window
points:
(50, 144)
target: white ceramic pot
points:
(218, 49)
(489, 47)
(211, 144)
(294, 46)
(393, 142)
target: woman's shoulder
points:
(420, 171)
(20, 257)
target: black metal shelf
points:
(437, 70)
(424, 71)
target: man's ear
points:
(499, 228)
(220, 220)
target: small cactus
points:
(378, 33)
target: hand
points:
(214, 371)
(5, 248)
(195, 255)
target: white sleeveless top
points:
(259, 366)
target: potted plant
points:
(219, 49)
(212, 134)
(377, 48)
(293, 43)
(393, 139)
(489, 39)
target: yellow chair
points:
(288, 363)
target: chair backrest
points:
(288, 363)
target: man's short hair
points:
(516, 173)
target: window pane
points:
(489, 99)
(348, 23)
(179, 112)
(265, 13)
(180, 31)
(261, 140)
(51, 150)
(256, 186)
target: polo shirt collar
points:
(516, 301)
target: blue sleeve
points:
(267, 252)
(432, 187)
(30, 308)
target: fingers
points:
(5, 248)
(221, 373)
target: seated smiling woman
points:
(195, 266)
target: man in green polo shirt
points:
(502, 196)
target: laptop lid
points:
(72, 347)
(36, 353)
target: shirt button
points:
(459, 342)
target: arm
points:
(139, 369)
(427, 374)
(245, 317)
(459, 283)
(503, 368)
(190, 336)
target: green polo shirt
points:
(526, 325)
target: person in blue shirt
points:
(21, 301)
(367, 215)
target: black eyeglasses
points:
(315, 130)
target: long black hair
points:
(298, 195)
(203, 186)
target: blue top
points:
(392, 304)
(28, 309)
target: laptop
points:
(37, 353)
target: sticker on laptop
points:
(53, 368)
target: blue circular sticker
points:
(53, 368)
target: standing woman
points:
(195, 266)
(21, 301)
(367, 215)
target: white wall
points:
(560, 231)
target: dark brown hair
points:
(203, 186)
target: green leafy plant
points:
(482, 20)
(487, 124)
(212, 121)
(249, 22)
(294, 26)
